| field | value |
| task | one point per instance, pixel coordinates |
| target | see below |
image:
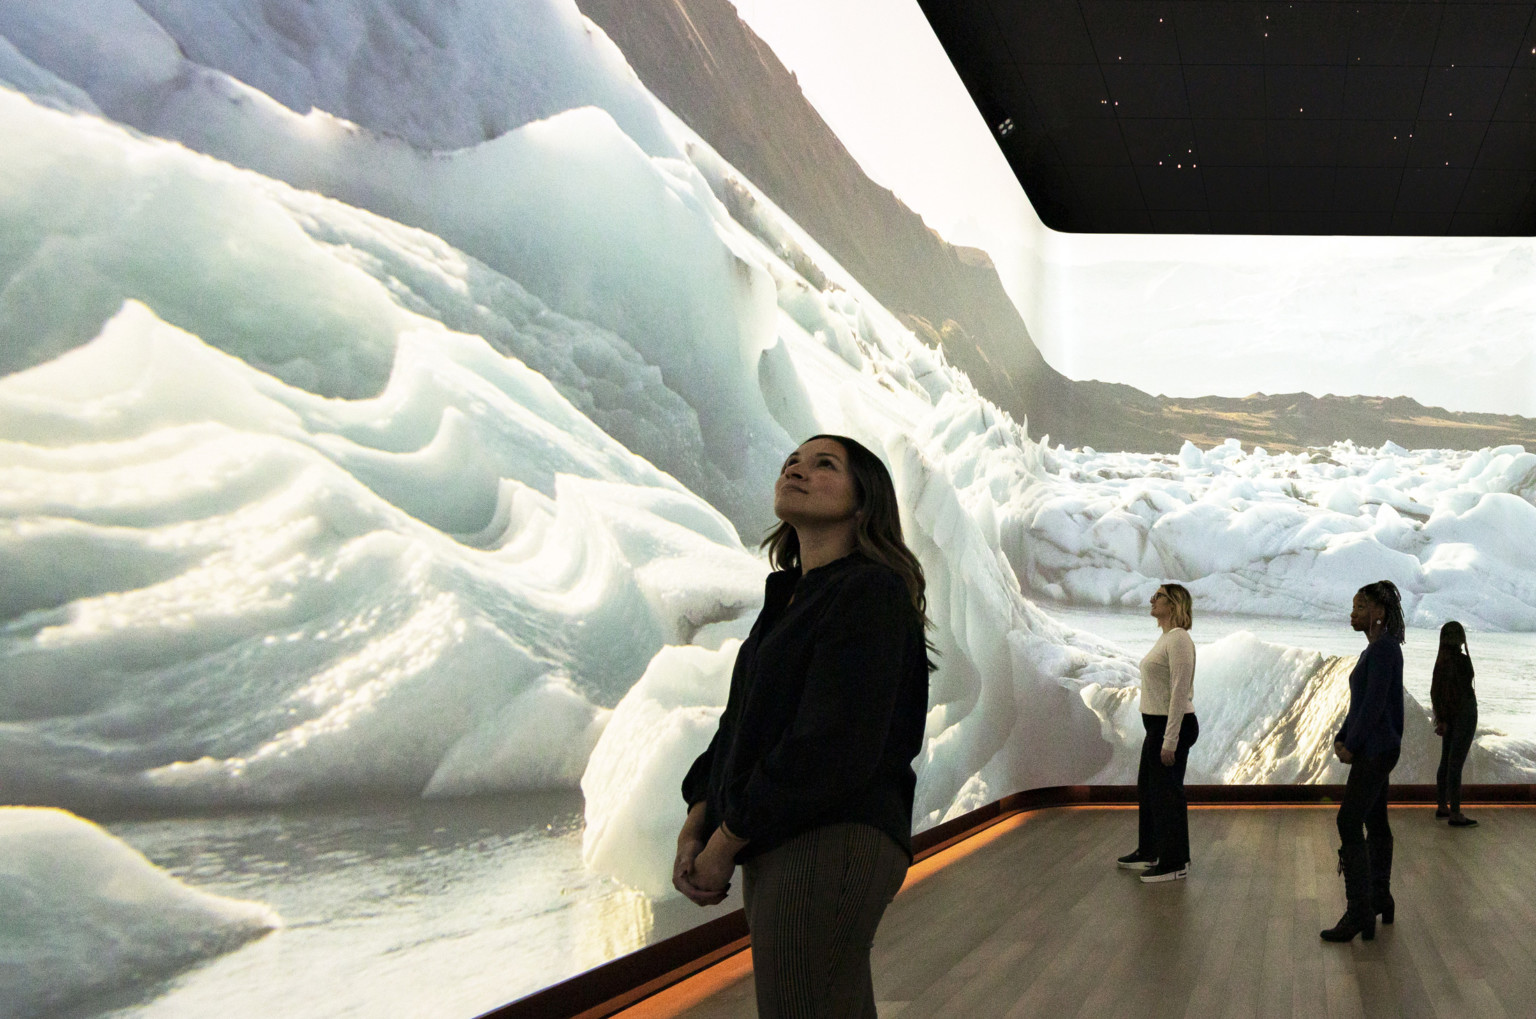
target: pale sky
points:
(1448, 321)
(875, 72)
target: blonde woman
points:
(1168, 715)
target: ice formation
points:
(1283, 534)
(363, 432)
(82, 914)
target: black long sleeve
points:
(827, 707)
(1374, 724)
(1450, 686)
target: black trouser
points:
(1365, 800)
(1163, 813)
(813, 905)
(1454, 747)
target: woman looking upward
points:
(1168, 716)
(808, 782)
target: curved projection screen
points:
(390, 396)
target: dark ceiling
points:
(1250, 116)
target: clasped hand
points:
(1343, 752)
(702, 871)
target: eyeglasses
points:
(1158, 596)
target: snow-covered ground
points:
(374, 434)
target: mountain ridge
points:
(701, 60)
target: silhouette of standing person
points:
(1369, 743)
(808, 782)
(1455, 705)
(1168, 716)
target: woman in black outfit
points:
(1369, 743)
(1450, 692)
(808, 782)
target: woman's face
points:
(815, 486)
(1162, 606)
(1364, 613)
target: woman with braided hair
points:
(1369, 743)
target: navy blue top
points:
(1374, 725)
(828, 702)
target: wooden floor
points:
(1032, 918)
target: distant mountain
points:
(709, 68)
(1294, 421)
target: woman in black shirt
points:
(808, 782)
(1369, 742)
(1455, 704)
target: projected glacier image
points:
(390, 396)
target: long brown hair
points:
(878, 534)
(1454, 650)
(1451, 680)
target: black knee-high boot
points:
(1380, 852)
(1358, 917)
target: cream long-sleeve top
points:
(1168, 681)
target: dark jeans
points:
(1162, 814)
(1365, 800)
(1454, 747)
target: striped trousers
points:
(813, 905)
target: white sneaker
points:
(1168, 873)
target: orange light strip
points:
(685, 994)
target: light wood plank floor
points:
(1036, 920)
